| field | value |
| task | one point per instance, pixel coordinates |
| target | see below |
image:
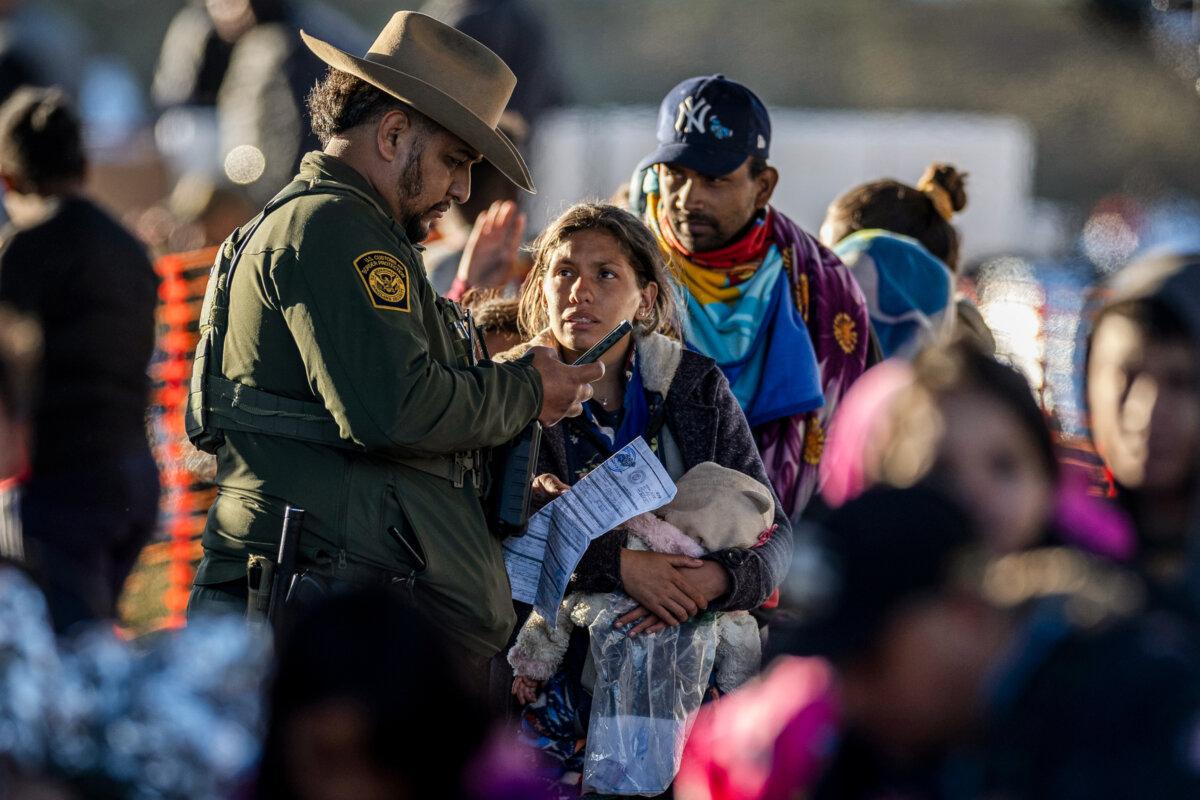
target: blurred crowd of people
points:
(880, 577)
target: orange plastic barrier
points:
(187, 492)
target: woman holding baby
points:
(593, 267)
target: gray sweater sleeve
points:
(755, 572)
(600, 568)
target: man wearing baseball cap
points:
(331, 376)
(777, 311)
(1037, 674)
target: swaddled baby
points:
(715, 508)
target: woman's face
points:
(590, 286)
(990, 461)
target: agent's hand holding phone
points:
(573, 384)
(565, 388)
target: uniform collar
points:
(321, 166)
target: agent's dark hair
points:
(635, 239)
(41, 140)
(922, 212)
(961, 367)
(340, 102)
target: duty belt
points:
(240, 407)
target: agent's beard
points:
(411, 179)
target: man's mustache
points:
(695, 219)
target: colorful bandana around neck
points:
(740, 314)
(748, 249)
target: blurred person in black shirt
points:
(365, 702)
(92, 496)
(244, 58)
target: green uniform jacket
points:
(330, 302)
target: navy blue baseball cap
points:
(710, 124)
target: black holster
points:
(260, 575)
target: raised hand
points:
(490, 257)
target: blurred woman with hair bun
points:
(91, 500)
(922, 215)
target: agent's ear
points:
(392, 133)
(765, 184)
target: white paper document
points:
(540, 563)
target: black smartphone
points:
(601, 347)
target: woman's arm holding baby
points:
(736, 578)
(655, 580)
(755, 572)
(652, 579)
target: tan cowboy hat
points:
(444, 74)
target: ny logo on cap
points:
(693, 116)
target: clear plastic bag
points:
(647, 692)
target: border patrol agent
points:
(332, 377)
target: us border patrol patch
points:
(386, 279)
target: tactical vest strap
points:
(239, 407)
(201, 421)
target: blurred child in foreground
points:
(959, 672)
(1143, 394)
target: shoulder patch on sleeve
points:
(385, 278)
